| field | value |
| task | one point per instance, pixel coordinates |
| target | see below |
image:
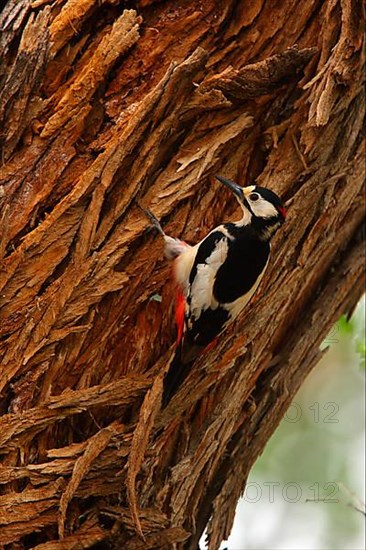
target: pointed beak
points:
(234, 187)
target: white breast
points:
(183, 265)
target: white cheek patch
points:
(263, 209)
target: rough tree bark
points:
(102, 106)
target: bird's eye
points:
(254, 196)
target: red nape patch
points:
(283, 211)
(180, 310)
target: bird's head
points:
(262, 208)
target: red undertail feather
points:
(179, 315)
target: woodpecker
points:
(218, 276)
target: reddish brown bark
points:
(102, 107)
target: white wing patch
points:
(202, 287)
(184, 256)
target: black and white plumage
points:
(218, 276)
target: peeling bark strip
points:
(22, 81)
(259, 78)
(101, 106)
(123, 34)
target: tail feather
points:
(177, 373)
(179, 369)
(153, 219)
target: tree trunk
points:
(103, 107)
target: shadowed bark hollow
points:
(102, 107)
